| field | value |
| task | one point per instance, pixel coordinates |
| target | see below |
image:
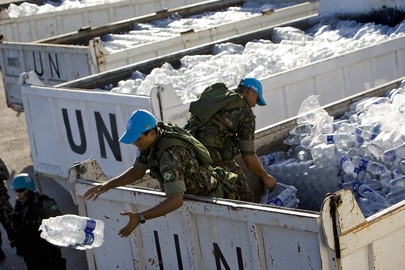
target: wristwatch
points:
(141, 218)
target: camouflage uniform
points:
(27, 217)
(179, 171)
(228, 134)
(5, 207)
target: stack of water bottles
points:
(363, 151)
(73, 231)
(282, 195)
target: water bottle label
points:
(329, 139)
(359, 139)
(373, 136)
(389, 157)
(276, 201)
(363, 164)
(89, 239)
(90, 225)
(358, 131)
(343, 159)
(356, 185)
(272, 158)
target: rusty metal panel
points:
(360, 243)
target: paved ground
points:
(15, 152)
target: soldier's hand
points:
(132, 224)
(94, 192)
(269, 181)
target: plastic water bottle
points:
(73, 231)
(346, 164)
(353, 129)
(392, 154)
(368, 165)
(301, 129)
(271, 158)
(369, 193)
(287, 198)
(344, 141)
(374, 202)
(324, 155)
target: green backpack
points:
(177, 136)
(215, 97)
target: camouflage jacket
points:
(28, 215)
(231, 131)
(177, 169)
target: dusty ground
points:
(15, 152)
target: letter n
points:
(81, 148)
(112, 139)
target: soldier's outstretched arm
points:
(126, 178)
(253, 164)
(167, 206)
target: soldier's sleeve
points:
(141, 162)
(246, 134)
(4, 174)
(173, 163)
(49, 209)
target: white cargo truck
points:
(81, 121)
(43, 25)
(214, 233)
(60, 59)
(358, 69)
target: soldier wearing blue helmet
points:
(223, 120)
(30, 209)
(176, 159)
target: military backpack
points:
(215, 97)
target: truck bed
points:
(74, 55)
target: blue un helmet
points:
(23, 180)
(256, 85)
(138, 122)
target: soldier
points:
(30, 209)
(5, 207)
(224, 122)
(176, 159)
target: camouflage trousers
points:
(5, 210)
(241, 184)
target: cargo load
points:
(216, 233)
(100, 48)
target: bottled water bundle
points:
(282, 195)
(73, 231)
(362, 151)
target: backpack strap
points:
(174, 135)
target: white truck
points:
(74, 122)
(43, 25)
(62, 58)
(214, 233)
(81, 121)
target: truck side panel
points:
(332, 79)
(53, 64)
(39, 26)
(79, 125)
(204, 234)
(372, 243)
(98, 59)
(351, 73)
